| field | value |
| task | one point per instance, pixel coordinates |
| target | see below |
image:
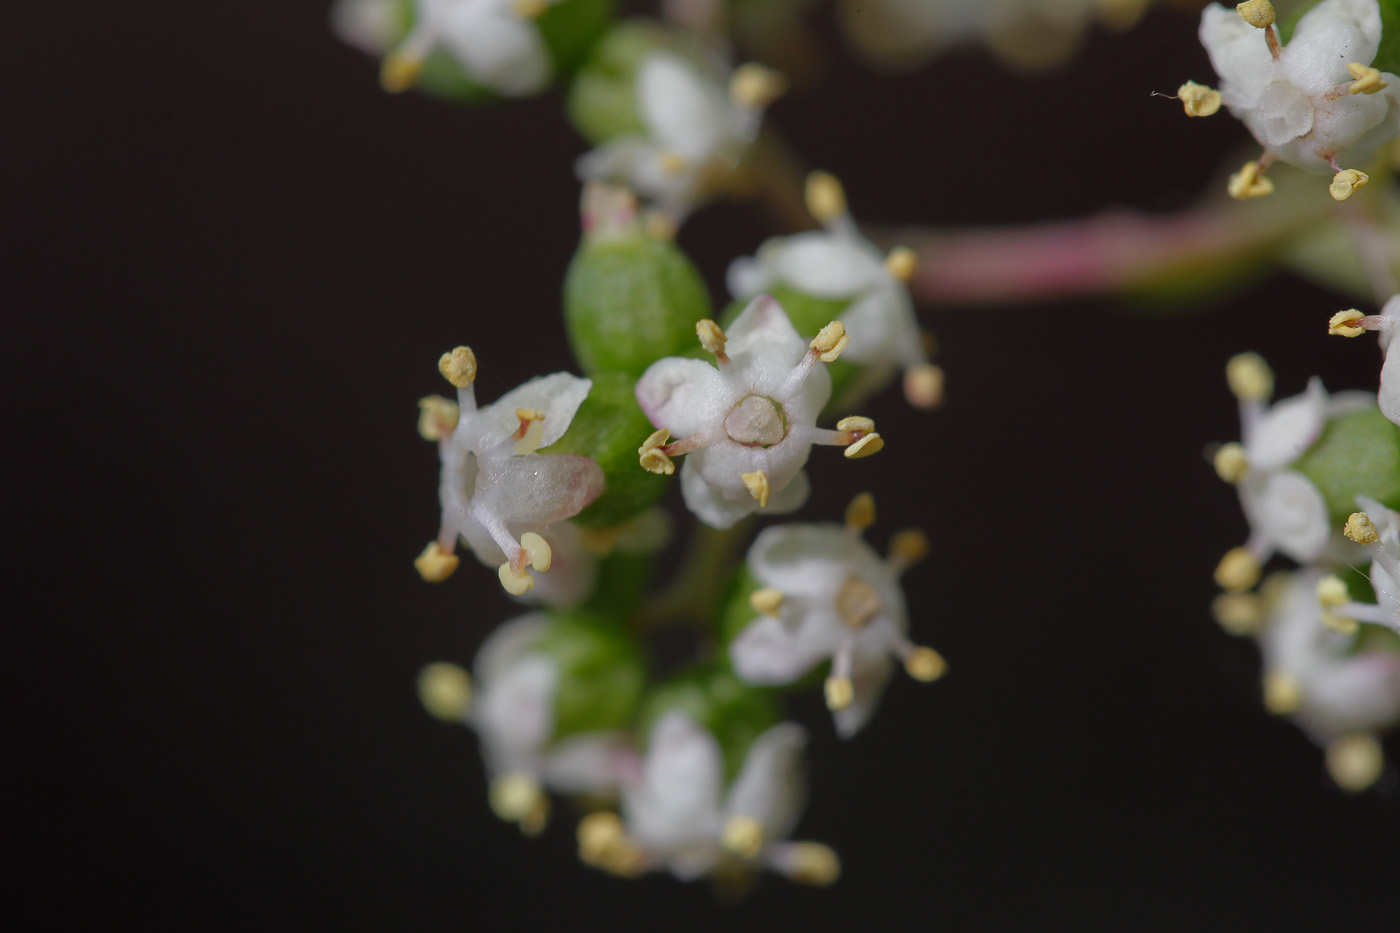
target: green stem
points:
(693, 595)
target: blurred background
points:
(231, 262)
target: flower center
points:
(857, 603)
(757, 421)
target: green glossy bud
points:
(732, 711)
(629, 298)
(1357, 454)
(601, 672)
(602, 101)
(609, 427)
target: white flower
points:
(827, 595)
(678, 814)
(1295, 99)
(748, 425)
(1353, 324)
(1376, 528)
(371, 26)
(694, 136)
(491, 40)
(497, 493)
(840, 264)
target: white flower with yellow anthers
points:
(677, 815)
(1340, 696)
(825, 594)
(748, 425)
(497, 493)
(1285, 510)
(496, 42)
(695, 133)
(840, 264)
(1311, 103)
(1377, 529)
(1353, 324)
(510, 703)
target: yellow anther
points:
(673, 163)
(434, 564)
(743, 835)
(1355, 761)
(901, 263)
(870, 444)
(923, 385)
(855, 423)
(857, 603)
(925, 664)
(1282, 693)
(1332, 592)
(755, 87)
(830, 341)
(813, 863)
(1238, 613)
(531, 433)
(534, 822)
(541, 554)
(653, 459)
(437, 417)
(445, 690)
(514, 795)
(1361, 529)
(1231, 464)
(839, 693)
(459, 367)
(399, 72)
(1198, 100)
(1345, 182)
(711, 336)
(1365, 79)
(909, 546)
(1249, 183)
(1342, 324)
(1237, 570)
(1340, 623)
(515, 584)
(758, 486)
(766, 601)
(529, 9)
(826, 200)
(860, 514)
(597, 833)
(1258, 13)
(1249, 377)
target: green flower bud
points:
(602, 101)
(629, 298)
(601, 672)
(608, 427)
(1357, 454)
(732, 711)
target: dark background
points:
(230, 263)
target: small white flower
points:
(1296, 99)
(695, 135)
(492, 40)
(748, 425)
(827, 595)
(840, 264)
(497, 493)
(1376, 528)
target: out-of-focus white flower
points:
(840, 264)
(1285, 510)
(497, 493)
(1353, 324)
(825, 594)
(694, 133)
(1339, 695)
(748, 425)
(678, 815)
(1377, 529)
(1316, 100)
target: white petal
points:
(709, 503)
(496, 47)
(768, 653)
(1287, 429)
(870, 680)
(763, 323)
(808, 559)
(771, 786)
(676, 803)
(1289, 510)
(746, 278)
(1238, 53)
(506, 645)
(1389, 397)
(684, 396)
(826, 265)
(683, 109)
(1332, 34)
(536, 489)
(558, 395)
(1284, 114)
(586, 763)
(513, 712)
(370, 25)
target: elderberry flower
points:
(840, 265)
(825, 594)
(1286, 511)
(1353, 324)
(1376, 528)
(693, 134)
(1339, 689)
(1311, 102)
(678, 815)
(499, 495)
(749, 424)
(531, 739)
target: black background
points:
(230, 263)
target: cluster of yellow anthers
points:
(1198, 100)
